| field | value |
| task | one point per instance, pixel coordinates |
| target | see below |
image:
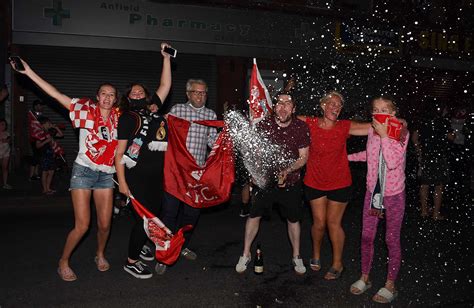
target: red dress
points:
(328, 167)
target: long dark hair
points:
(124, 103)
(4, 121)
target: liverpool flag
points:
(259, 100)
(167, 245)
(198, 186)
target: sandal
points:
(333, 273)
(360, 286)
(385, 296)
(102, 264)
(66, 274)
(315, 264)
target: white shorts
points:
(4, 150)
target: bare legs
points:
(424, 200)
(251, 229)
(46, 179)
(103, 199)
(294, 231)
(437, 201)
(81, 203)
(328, 213)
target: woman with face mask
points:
(139, 161)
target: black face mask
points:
(137, 104)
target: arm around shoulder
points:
(359, 128)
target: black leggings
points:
(176, 214)
(150, 195)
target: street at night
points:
(436, 268)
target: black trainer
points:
(146, 253)
(244, 210)
(138, 270)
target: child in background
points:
(47, 161)
(385, 198)
(4, 152)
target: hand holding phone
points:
(171, 51)
(18, 65)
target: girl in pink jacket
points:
(385, 197)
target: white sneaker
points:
(146, 253)
(188, 254)
(298, 265)
(7, 187)
(242, 264)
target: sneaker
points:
(298, 265)
(160, 268)
(35, 178)
(188, 254)
(242, 264)
(7, 187)
(244, 210)
(138, 270)
(146, 253)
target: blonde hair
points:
(330, 94)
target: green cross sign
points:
(57, 13)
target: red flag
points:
(197, 186)
(259, 100)
(37, 132)
(167, 245)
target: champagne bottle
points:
(258, 261)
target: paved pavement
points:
(436, 271)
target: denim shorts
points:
(83, 177)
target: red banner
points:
(37, 132)
(260, 103)
(167, 245)
(197, 186)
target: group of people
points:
(132, 141)
(45, 150)
(319, 143)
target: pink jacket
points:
(394, 153)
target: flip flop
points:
(333, 273)
(66, 274)
(102, 264)
(387, 296)
(315, 264)
(361, 286)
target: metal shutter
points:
(77, 72)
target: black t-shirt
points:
(149, 162)
(433, 136)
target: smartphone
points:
(17, 61)
(171, 51)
